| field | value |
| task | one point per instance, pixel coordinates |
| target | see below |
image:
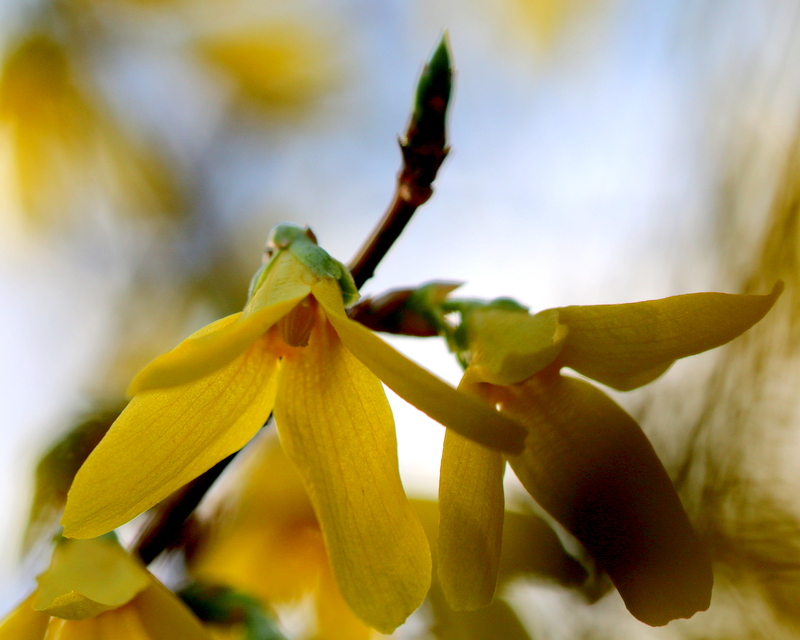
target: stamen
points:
(295, 327)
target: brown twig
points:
(164, 528)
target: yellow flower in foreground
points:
(268, 544)
(95, 590)
(292, 348)
(586, 461)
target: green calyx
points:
(303, 245)
(458, 338)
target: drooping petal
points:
(458, 411)
(589, 464)
(628, 345)
(511, 346)
(222, 341)
(471, 508)
(167, 437)
(24, 622)
(87, 577)
(336, 426)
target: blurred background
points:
(602, 151)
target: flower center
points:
(295, 327)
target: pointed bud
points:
(425, 144)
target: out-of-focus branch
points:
(166, 524)
(424, 149)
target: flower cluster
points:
(586, 461)
(294, 351)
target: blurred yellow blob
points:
(546, 18)
(269, 544)
(94, 589)
(280, 67)
(50, 120)
(64, 144)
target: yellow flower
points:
(268, 543)
(94, 589)
(586, 461)
(293, 349)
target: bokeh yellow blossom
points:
(70, 147)
(64, 142)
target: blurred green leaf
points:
(57, 468)
(225, 606)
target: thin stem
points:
(165, 528)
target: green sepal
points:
(303, 245)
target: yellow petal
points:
(154, 614)
(471, 507)
(165, 617)
(87, 577)
(222, 341)
(589, 464)
(532, 548)
(336, 426)
(167, 437)
(510, 346)
(24, 623)
(458, 411)
(628, 345)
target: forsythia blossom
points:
(94, 589)
(586, 461)
(292, 350)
